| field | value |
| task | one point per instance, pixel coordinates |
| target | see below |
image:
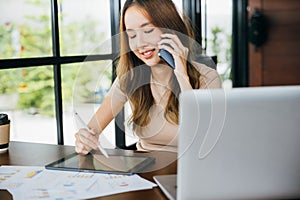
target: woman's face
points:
(143, 36)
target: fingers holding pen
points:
(80, 148)
(86, 140)
(89, 137)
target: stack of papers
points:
(25, 182)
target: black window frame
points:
(240, 51)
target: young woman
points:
(146, 81)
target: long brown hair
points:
(163, 14)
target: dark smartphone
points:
(167, 57)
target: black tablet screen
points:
(99, 163)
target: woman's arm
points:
(112, 104)
(107, 111)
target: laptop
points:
(242, 143)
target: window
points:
(217, 33)
(45, 46)
(84, 25)
(25, 30)
(27, 97)
(90, 82)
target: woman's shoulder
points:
(209, 77)
(117, 92)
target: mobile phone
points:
(167, 57)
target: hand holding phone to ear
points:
(173, 52)
(178, 54)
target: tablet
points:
(119, 164)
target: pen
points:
(85, 126)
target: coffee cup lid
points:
(4, 119)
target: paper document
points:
(25, 182)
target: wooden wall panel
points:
(278, 61)
(279, 33)
(281, 48)
(255, 56)
(283, 18)
(282, 5)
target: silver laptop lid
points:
(168, 184)
(239, 143)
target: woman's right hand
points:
(86, 141)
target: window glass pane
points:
(27, 96)
(25, 29)
(178, 4)
(84, 87)
(218, 33)
(84, 27)
(130, 137)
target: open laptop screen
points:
(239, 143)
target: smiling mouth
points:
(148, 54)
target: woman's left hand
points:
(172, 43)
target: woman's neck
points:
(161, 74)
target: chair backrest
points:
(210, 61)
